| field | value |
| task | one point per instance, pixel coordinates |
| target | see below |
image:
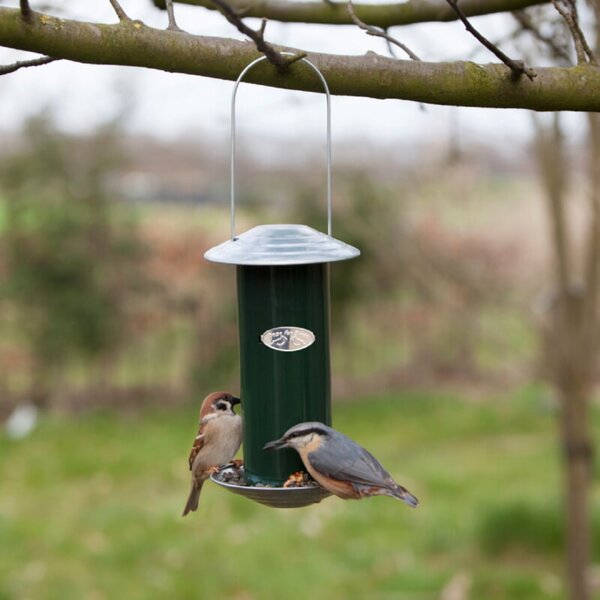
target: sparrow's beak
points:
(235, 401)
(275, 445)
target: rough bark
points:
(132, 43)
(380, 15)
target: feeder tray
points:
(274, 497)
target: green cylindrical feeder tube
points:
(281, 388)
(283, 314)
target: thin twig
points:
(376, 32)
(22, 64)
(568, 11)
(527, 24)
(516, 66)
(26, 11)
(119, 10)
(171, 12)
(257, 36)
(510, 36)
(390, 48)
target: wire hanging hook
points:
(232, 155)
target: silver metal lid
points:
(270, 245)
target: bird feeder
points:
(283, 315)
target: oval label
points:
(287, 338)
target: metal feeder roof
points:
(270, 245)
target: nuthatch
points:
(339, 464)
(219, 438)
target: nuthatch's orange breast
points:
(315, 443)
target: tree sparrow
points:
(219, 438)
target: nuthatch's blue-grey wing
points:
(342, 459)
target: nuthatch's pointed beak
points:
(235, 401)
(275, 445)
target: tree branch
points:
(378, 15)
(26, 11)
(379, 33)
(23, 64)
(449, 83)
(257, 36)
(516, 66)
(511, 35)
(528, 25)
(171, 12)
(568, 11)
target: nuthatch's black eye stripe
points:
(307, 431)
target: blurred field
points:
(113, 325)
(433, 297)
(94, 504)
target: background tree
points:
(69, 252)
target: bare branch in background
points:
(376, 32)
(171, 12)
(513, 35)
(384, 15)
(25, 10)
(568, 11)
(119, 10)
(23, 64)
(257, 36)
(516, 66)
(559, 51)
(390, 48)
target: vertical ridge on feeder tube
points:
(281, 387)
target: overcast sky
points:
(173, 105)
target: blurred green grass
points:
(90, 508)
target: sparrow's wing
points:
(197, 445)
(343, 459)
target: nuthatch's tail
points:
(192, 502)
(401, 493)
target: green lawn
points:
(90, 508)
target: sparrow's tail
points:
(192, 502)
(397, 491)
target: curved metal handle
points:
(232, 171)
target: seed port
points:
(233, 479)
